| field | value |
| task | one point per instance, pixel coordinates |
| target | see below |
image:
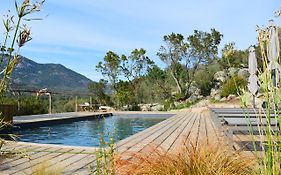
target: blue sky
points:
(78, 33)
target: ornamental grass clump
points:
(269, 158)
(190, 160)
(16, 35)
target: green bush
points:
(168, 105)
(233, 86)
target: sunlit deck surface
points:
(190, 126)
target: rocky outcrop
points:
(151, 107)
(222, 76)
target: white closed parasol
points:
(253, 85)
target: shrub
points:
(168, 105)
(233, 86)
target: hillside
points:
(56, 77)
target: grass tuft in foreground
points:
(201, 160)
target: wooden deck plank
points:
(202, 133)
(166, 145)
(211, 134)
(76, 162)
(162, 137)
(142, 133)
(149, 141)
(147, 136)
(191, 140)
(176, 146)
(34, 160)
(19, 159)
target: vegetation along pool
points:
(88, 133)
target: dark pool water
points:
(88, 133)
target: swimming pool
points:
(88, 132)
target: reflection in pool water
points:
(87, 133)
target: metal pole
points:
(91, 104)
(76, 105)
(50, 103)
(254, 101)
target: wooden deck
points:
(42, 119)
(193, 126)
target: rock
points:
(151, 107)
(221, 76)
(215, 93)
(194, 97)
(223, 99)
(194, 90)
(202, 103)
(243, 73)
(145, 107)
(232, 71)
(231, 97)
(157, 107)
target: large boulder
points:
(193, 90)
(216, 94)
(156, 107)
(221, 76)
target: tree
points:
(98, 90)
(204, 77)
(124, 93)
(110, 67)
(136, 65)
(159, 77)
(174, 51)
(232, 57)
(134, 68)
(184, 58)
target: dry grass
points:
(203, 160)
(44, 169)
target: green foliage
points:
(98, 89)
(15, 33)
(172, 53)
(233, 86)
(158, 78)
(124, 94)
(169, 104)
(33, 105)
(136, 65)
(184, 58)
(203, 46)
(204, 77)
(110, 67)
(232, 57)
(105, 156)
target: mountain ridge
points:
(55, 77)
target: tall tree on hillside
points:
(110, 67)
(183, 58)
(172, 53)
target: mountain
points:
(55, 77)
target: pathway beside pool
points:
(194, 125)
